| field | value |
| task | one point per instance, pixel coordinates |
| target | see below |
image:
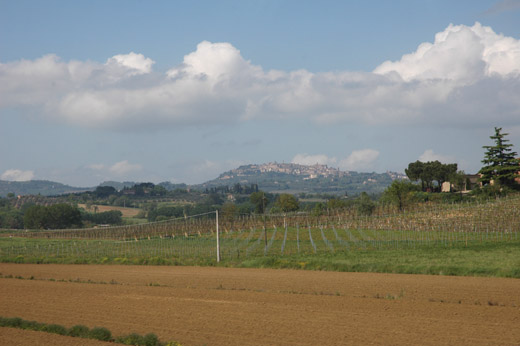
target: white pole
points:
(218, 239)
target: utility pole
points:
(265, 230)
(218, 238)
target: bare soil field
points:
(226, 306)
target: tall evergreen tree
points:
(500, 163)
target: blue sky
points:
(182, 91)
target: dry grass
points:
(127, 212)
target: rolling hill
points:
(295, 178)
(35, 187)
(270, 177)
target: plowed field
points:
(222, 306)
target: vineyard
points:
(426, 226)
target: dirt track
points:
(220, 306)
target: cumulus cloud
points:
(430, 155)
(463, 76)
(360, 160)
(135, 63)
(460, 54)
(119, 170)
(17, 175)
(305, 159)
(122, 168)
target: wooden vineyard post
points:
(218, 238)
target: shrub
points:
(79, 331)
(100, 333)
(14, 322)
(55, 328)
(32, 325)
(138, 340)
(151, 340)
(173, 343)
(131, 339)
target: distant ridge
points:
(296, 178)
(270, 177)
(35, 187)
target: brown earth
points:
(127, 212)
(225, 306)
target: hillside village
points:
(310, 172)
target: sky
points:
(182, 91)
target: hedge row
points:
(80, 331)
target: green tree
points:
(441, 172)
(458, 179)
(57, 216)
(318, 209)
(287, 203)
(229, 211)
(414, 172)
(336, 203)
(365, 205)
(428, 172)
(111, 217)
(260, 201)
(500, 163)
(36, 217)
(104, 191)
(399, 193)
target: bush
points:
(100, 333)
(79, 331)
(32, 325)
(55, 328)
(131, 339)
(138, 340)
(14, 322)
(151, 340)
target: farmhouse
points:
(470, 181)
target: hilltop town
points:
(309, 172)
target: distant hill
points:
(118, 185)
(34, 187)
(295, 178)
(270, 177)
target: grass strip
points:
(81, 331)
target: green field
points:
(470, 239)
(366, 251)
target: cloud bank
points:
(468, 76)
(358, 160)
(17, 175)
(430, 155)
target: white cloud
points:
(17, 175)
(304, 159)
(360, 160)
(122, 168)
(136, 63)
(464, 76)
(214, 61)
(429, 155)
(461, 54)
(96, 166)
